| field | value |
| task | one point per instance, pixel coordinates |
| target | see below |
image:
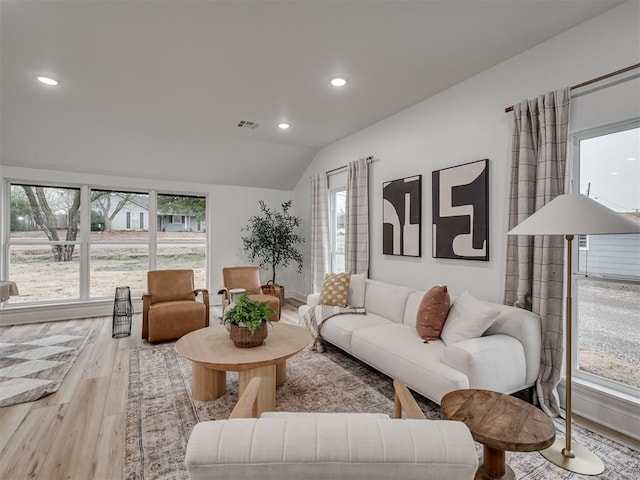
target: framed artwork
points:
(461, 211)
(401, 217)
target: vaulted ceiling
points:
(156, 89)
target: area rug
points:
(32, 367)
(161, 413)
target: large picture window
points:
(607, 277)
(54, 256)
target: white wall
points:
(467, 123)
(231, 208)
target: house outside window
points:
(607, 276)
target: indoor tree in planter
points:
(272, 239)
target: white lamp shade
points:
(574, 214)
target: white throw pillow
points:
(468, 318)
(355, 297)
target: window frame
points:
(577, 274)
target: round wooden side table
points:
(500, 423)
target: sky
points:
(610, 169)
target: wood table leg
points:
(266, 401)
(281, 373)
(207, 384)
(494, 466)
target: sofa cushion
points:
(338, 329)
(481, 358)
(468, 318)
(386, 300)
(397, 351)
(335, 289)
(355, 297)
(432, 313)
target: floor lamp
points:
(570, 215)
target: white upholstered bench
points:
(282, 445)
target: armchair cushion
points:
(170, 285)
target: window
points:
(54, 256)
(337, 200)
(44, 242)
(583, 242)
(182, 244)
(607, 277)
(119, 252)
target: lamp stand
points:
(575, 458)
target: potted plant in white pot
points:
(272, 241)
(248, 320)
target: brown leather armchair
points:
(249, 279)
(170, 309)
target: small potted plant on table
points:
(248, 322)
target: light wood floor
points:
(78, 432)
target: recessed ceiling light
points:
(284, 125)
(338, 81)
(52, 82)
(614, 173)
(631, 159)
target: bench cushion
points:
(330, 447)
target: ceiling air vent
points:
(247, 124)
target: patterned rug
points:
(32, 367)
(161, 413)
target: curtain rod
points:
(369, 159)
(594, 80)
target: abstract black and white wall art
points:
(401, 217)
(461, 211)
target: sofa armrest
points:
(313, 299)
(495, 362)
(525, 327)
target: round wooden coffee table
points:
(500, 423)
(213, 354)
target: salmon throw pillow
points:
(432, 313)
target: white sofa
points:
(505, 358)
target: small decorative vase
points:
(242, 338)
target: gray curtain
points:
(356, 218)
(319, 242)
(535, 264)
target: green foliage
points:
(182, 205)
(248, 313)
(20, 210)
(272, 239)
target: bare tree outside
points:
(56, 210)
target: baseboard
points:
(617, 412)
(19, 315)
